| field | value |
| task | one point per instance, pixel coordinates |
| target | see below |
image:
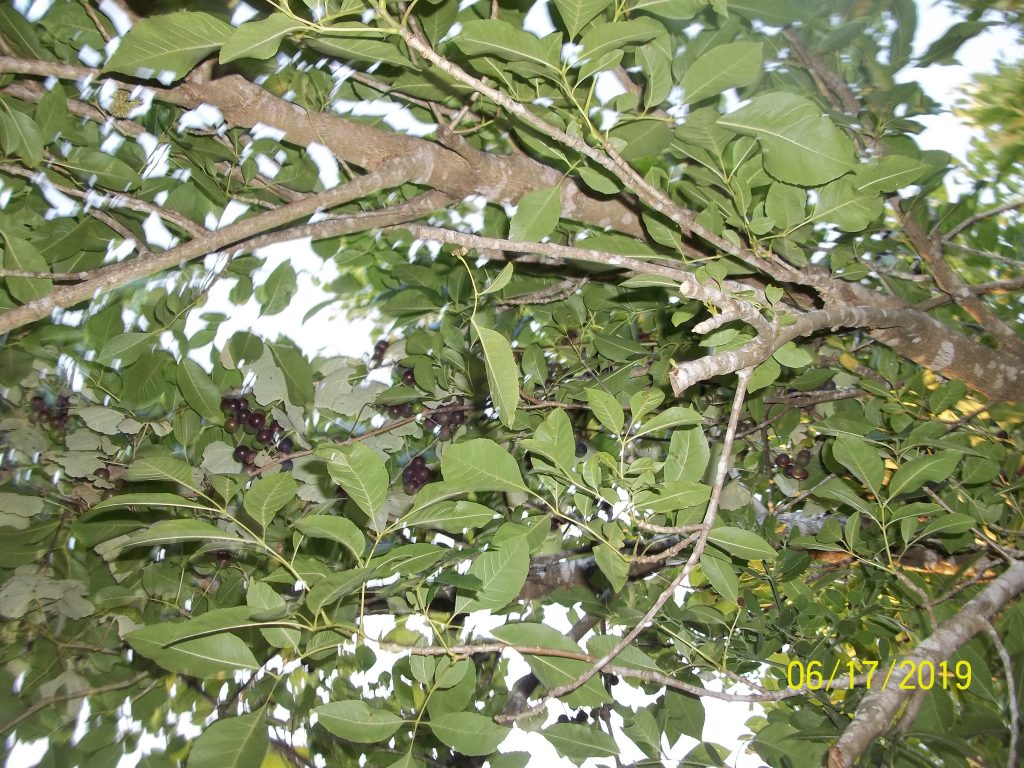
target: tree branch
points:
(108, 278)
(878, 709)
(698, 549)
(50, 701)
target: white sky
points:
(330, 333)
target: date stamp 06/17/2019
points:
(908, 674)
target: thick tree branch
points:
(116, 275)
(877, 712)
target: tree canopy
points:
(690, 382)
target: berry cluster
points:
(415, 475)
(795, 467)
(55, 416)
(448, 421)
(378, 353)
(241, 415)
(403, 411)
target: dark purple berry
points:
(410, 488)
(44, 417)
(243, 453)
(802, 459)
(408, 377)
(287, 465)
(418, 461)
(286, 445)
(394, 412)
(229, 405)
(783, 460)
(443, 418)
(257, 420)
(444, 434)
(265, 436)
(800, 473)
(789, 470)
(581, 449)
(405, 410)
(231, 425)
(38, 403)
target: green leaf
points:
(339, 529)
(360, 471)
(21, 254)
(733, 65)
(336, 586)
(468, 732)
(656, 64)
(128, 347)
(555, 440)
(198, 389)
(500, 281)
(785, 205)
(264, 601)
(745, 545)
(643, 402)
(688, 455)
(173, 42)
(298, 377)
(502, 573)
(373, 51)
(483, 37)
(268, 496)
(407, 559)
(613, 565)
(98, 168)
(800, 145)
(578, 13)
(257, 39)
(676, 416)
(887, 174)
(168, 532)
(840, 204)
(578, 742)
(861, 459)
(481, 465)
(170, 500)
(26, 136)
(357, 721)
(673, 496)
(232, 742)
(607, 410)
(450, 516)
(210, 651)
(502, 372)
(677, 10)
(949, 525)
(793, 356)
(536, 215)
(916, 472)
(721, 575)
(553, 671)
(611, 36)
(276, 293)
(159, 469)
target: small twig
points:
(970, 221)
(14, 722)
(1011, 686)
